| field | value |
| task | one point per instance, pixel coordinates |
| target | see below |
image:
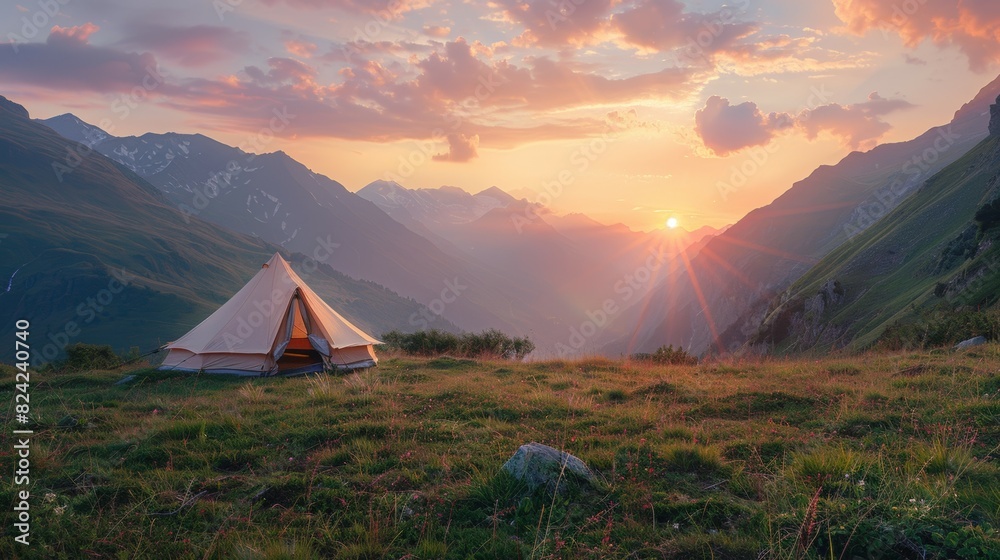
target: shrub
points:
(489, 343)
(940, 328)
(82, 356)
(668, 355)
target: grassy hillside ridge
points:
(75, 225)
(878, 456)
(891, 272)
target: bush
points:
(668, 355)
(489, 343)
(82, 356)
(940, 328)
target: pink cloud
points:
(726, 128)
(662, 25)
(858, 125)
(556, 24)
(973, 26)
(79, 33)
(387, 9)
(189, 46)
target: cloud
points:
(300, 47)
(284, 71)
(973, 26)
(461, 148)
(548, 23)
(726, 128)
(458, 75)
(661, 25)
(79, 33)
(858, 125)
(360, 49)
(393, 9)
(188, 46)
(66, 61)
(786, 54)
(438, 31)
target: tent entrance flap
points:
(299, 350)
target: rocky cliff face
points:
(995, 118)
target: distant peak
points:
(11, 107)
(383, 185)
(497, 193)
(73, 127)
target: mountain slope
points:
(90, 252)
(723, 294)
(276, 198)
(920, 256)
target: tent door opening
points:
(297, 354)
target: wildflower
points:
(50, 497)
(677, 525)
(59, 510)
(861, 483)
(913, 500)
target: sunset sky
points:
(630, 111)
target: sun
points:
(671, 223)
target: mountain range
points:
(91, 252)
(176, 222)
(518, 267)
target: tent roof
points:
(249, 322)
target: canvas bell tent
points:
(275, 325)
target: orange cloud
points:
(973, 26)
(305, 49)
(460, 148)
(438, 31)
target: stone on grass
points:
(538, 465)
(970, 343)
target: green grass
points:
(883, 455)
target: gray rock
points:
(538, 465)
(970, 343)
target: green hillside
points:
(92, 253)
(882, 456)
(929, 254)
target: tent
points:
(275, 325)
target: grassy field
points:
(876, 456)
